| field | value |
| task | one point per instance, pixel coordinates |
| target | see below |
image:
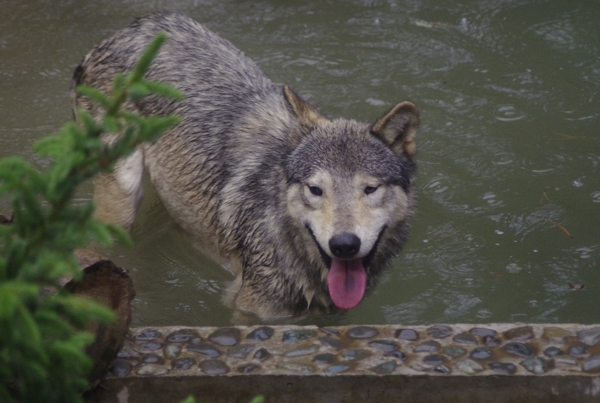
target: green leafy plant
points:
(42, 347)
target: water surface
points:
(509, 149)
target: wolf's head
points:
(349, 186)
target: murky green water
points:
(510, 142)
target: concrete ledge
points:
(461, 363)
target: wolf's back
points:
(228, 103)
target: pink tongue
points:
(347, 282)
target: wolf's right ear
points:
(398, 128)
(307, 115)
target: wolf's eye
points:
(315, 190)
(371, 189)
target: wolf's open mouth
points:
(347, 279)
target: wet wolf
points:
(306, 210)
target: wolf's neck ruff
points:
(347, 281)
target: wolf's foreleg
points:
(117, 195)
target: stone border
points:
(566, 355)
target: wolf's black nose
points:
(344, 245)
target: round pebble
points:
(213, 367)
(147, 335)
(226, 336)
(520, 349)
(248, 368)
(297, 352)
(589, 336)
(240, 351)
(205, 349)
(491, 341)
(127, 351)
(261, 334)
(556, 334)
(503, 368)
(293, 336)
(399, 355)
(465, 338)
(196, 340)
(332, 342)
(151, 346)
(439, 331)
(592, 364)
(183, 363)
(406, 334)
(182, 336)
(433, 360)
(481, 353)
(172, 350)
(362, 332)
(454, 351)
(385, 368)
(565, 361)
(261, 354)
(577, 350)
(523, 333)
(120, 368)
(537, 365)
(383, 345)
(442, 369)
(469, 366)
(150, 358)
(151, 369)
(429, 346)
(351, 355)
(326, 358)
(482, 331)
(553, 351)
(298, 368)
(336, 369)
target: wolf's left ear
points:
(398, 128)
(307, 115)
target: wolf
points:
(306, 211)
